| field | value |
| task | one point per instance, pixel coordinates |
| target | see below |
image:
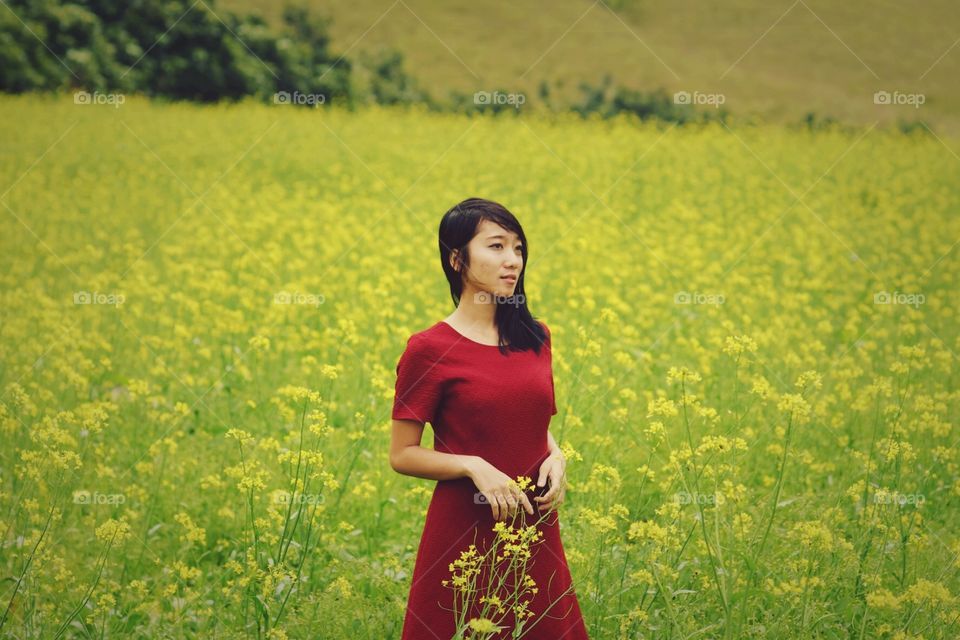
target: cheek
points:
(485, 264)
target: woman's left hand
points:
(554, 468)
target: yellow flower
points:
(569, 452)
(883, 599)
(929, 593)
(737, 345)
(809, 379)
(259, 343)
(297, 394)
(682, 374)
(330, 371)
(341, 586)
(795, 405)
(524, 482)
(193, 533)
(483, 625)
(601, 524)
(661, 407)
(761, 387)
(113, 531)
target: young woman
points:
(483, 379)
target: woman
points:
(482, 378)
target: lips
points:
(512, 279)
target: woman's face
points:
(494, 254)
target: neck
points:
(476, 311)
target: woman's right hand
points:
(499, 490)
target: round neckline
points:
(479, 344)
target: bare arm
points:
(409, 458)
(552, 445)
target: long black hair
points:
(459, 225)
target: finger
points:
(550, 499)
(548, 496)
(526, 503)
(544, 469)
(511, 506)
(556, 476)
(552, 505)
(491, 501)
(506, 511)
(503, 507)
(494, 506)
(559, 501)
(556, 482)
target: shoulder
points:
(425, 343)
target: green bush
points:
(175, 49)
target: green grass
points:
(825, 57)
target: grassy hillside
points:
(823, 56)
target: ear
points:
(455, 259)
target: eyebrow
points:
(500, 235)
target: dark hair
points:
(457, 227)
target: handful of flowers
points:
(493, 586)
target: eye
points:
(497, 244)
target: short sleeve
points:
(419, 387)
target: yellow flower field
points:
(202, 309)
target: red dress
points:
(481, 402)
